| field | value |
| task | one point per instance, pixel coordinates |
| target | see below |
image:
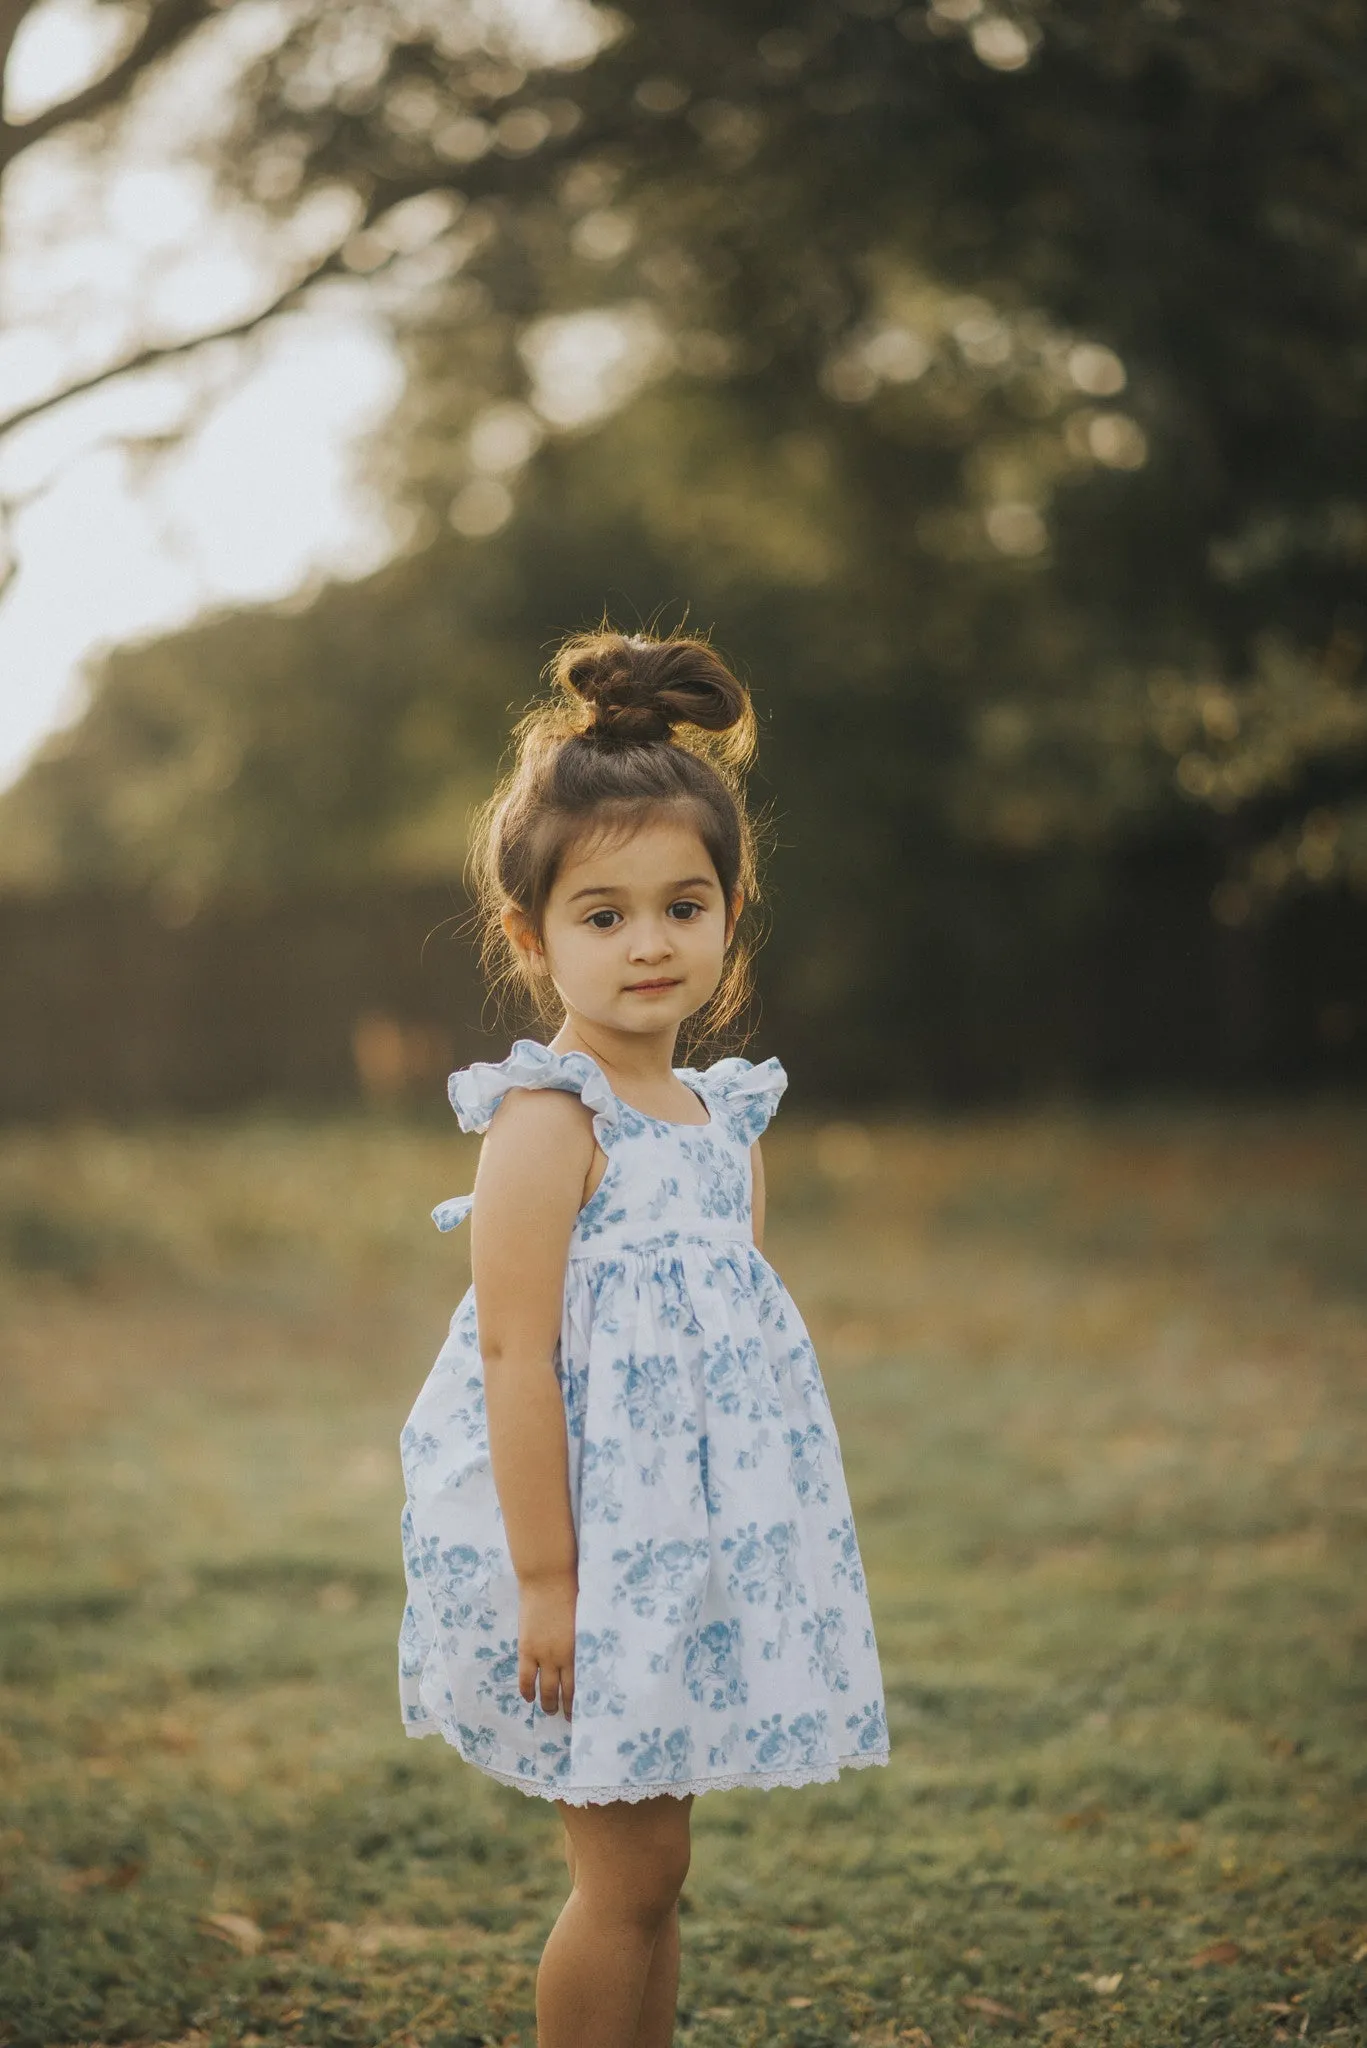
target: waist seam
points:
(662, 1241)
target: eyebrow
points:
(615, 888)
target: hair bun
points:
(639, 688)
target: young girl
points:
(632, 1569)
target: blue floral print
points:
(596, 1658)
(807, 1446)
(799, 1743)
(657, 1760)
(601, 1466)
(723, 1179)
(723, 1635)
(825, 1661)
(596, 1215)
(846, 1566)
(712, 1669)
(651, 1394)
(650, 1577)
(762, 1568)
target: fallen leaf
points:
(1085, 1817)
(1106, 1985)
(1218, 1952)
(236, 1929)
(915, 2037)
(795, 2002)
(990, 2007)
(372, 1938)
(1277, 2005)
(101, 1879)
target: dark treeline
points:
(324, 997)
(988, 380)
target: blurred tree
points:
(1049, 317)
(992, 373)
(147, 38)
(151, 33)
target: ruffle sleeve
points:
(749, 1094)
(475, 1092)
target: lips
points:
(646, 988)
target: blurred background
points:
(987, 377)
(989, 383)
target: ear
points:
(522, 938)
(733, 911)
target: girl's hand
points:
(545, 1640)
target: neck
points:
(630, 1055)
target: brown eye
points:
(693, 910)
(596, 915)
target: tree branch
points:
(146, 358)
(12, 13)
(166, 27)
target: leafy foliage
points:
(990, 378)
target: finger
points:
(567, 1691)
(550, 1689)
(526, 1678)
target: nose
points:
(651, 941)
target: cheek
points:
(582, 945)
(706, 939)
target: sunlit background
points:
(987, 377)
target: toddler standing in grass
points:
(633, 1573)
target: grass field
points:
(1100, 1385)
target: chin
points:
(652, 1013)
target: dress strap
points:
(475, 1092)
(748, 1094)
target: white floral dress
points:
(722, 1631)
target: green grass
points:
(1100, 1387)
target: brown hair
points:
(631, 723)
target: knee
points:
(651, 1891)
(665, 1881)
(642, 1888)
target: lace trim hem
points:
(681, 1788)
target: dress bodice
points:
(664, 1181)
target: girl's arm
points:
(528, 1190)
(757, 1194)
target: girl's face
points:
(635, 930)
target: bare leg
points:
(609, 1971)
(655, 2027)
(660, 2001)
